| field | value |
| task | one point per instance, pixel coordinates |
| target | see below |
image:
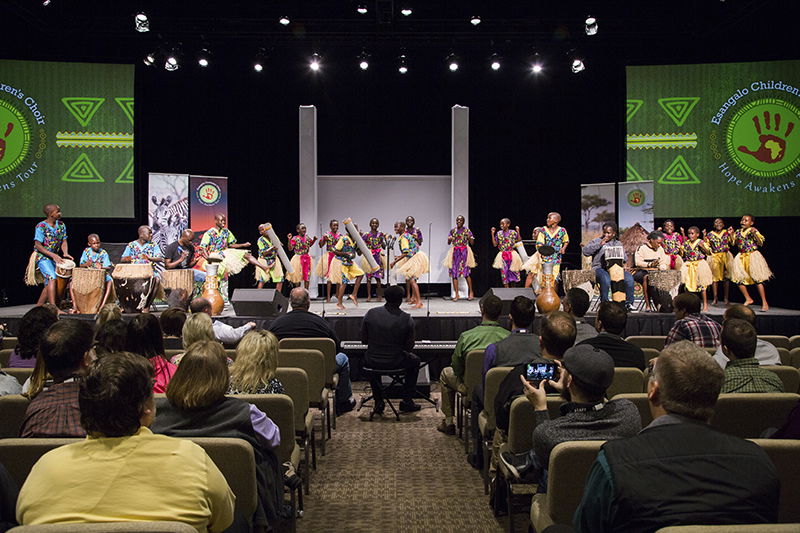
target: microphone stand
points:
(428, 296)
(323, 264)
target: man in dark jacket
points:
(610, 323)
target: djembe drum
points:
(666, 284)
(179, 278)
(63, 277)
(615, 265)
(136, 287)
(87, 289)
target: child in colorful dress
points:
(672, 244)
(507, 259)
(412, 263)
(718, 241)
(300, 244)
(220, 240)
(345, 252)
(695, 272)
(460, 258)
(551, 235)
(417, 234)
(376, 242)
(749, 266)
(95, 257)
(327, 268)
(269, 268)
(50, 237)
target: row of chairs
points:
(657, 341)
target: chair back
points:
(8, 343)
(313, 362)
(295, 383)
(108, 527)
(19, 455)
(785, 454)
(794, 357)
(569, 466)
(639, 399)
(494, 377)
(794, 342)
(12, 414)
(521, 422)
(473, 368)
(650, 353)
(779, 341)
(788, 374)
(648, 341)
(5, 355)
(626, 380)
(786, 356)
(323, 344)
(22, 374)
(747, 415)
(280, 409)
(741, 528)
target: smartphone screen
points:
(540, 371)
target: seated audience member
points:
(197, 327)
(172, 321)
(301, 323)
(145, 338)
(122, 471)
(791, 428)
(9, 491)
(679, 470)
(743, 374)
(610, 323)
(111, 337)
(64, 353)
(388, 333)
(196, 406)
(110, 311)
(31, 330)
(518, 347)
(253, 371)
(650, 257)
(691, 325)
(576, 303)
(222, 331)
(9, 385)
(585, 374)
(452, 377)
(766, 352)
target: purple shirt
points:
(267, 432)
(16, 361)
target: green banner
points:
(66, 137)
(717, 139)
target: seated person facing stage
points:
(451, 379)
(576, 303)
(585, 374)
(182, 254)
(649, 257)
(388, 333)
(679, 470)
(610, 323)
(766, 353)
(122, 471)
(222, 331)
(301, 323)
(691, 324)
(32, 328)
(742, 373)
(145, 338)
(596, 249)
(64, 353)
(254, 371)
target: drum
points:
(63, 277)
(667, 281)
(87, 289)
(178, 278)
(615, 265)
(135, 286)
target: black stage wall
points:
(533, 140)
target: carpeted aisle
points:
(396, 476)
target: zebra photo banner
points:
(208, 195)
(168, 206)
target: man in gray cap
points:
(584, 375)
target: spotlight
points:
(536, 63)
(494, 62)
(172, 64)
(402, 64)
(141, 22)
(406, 10)
(46, 3)
(591, 25)
(452, 62)
(149, 59)
(315, 61)
(260, 59)
(475, 20)
(578, 65)
(362, 9)
(284, 20)
(203, 57)
(537, 68)
(363, 60)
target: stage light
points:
(260, 60)
(494, 62)
(406, 10)
(141, 22)
(363, 60)
(362, 9)
(172, 64)
(203, 57)
(537, 68)
(284, 21)
(452, 62)
(402, 64)
(591, 25)
(536, 63)
(315, 61)
(149, 59)
(475, 20)
(578, 65)
(46, 3)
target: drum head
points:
(546, 250)
(64, 269)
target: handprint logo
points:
(772, 148)
(9, 129)
(14, 137)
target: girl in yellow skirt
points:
(327, 268)
(718, 242)
(695, 272)
(412, 263)
(345, 252)
(300, 244)
(507, 259)
(460, 259)
(270, 268)
(749, 266)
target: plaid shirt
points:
(54, 412)
(745, 375)
(700, 329)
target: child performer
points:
(269, 267)
(376, 242)
(50, 237)
(507, 259)
(345, 252)
(220, 240)
(412, 262)
(672, 244)
(95, 257)
(695, 272)
(718, 241)
(460, 258)
(749, 266)
(300, 244)
(326, 267)
(417, 234)
(550, 235)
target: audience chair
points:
(486, 420)
(5, 355)
(328, 349)
(473, 368)
(748, 415)
(794, 357)
(12, 414)
(8, 343)
(626, 380)
(639, 399)
(785, 454)
(313, 362)
(649, 354)
(295, 383)
(568, 469)
(172, 352)
(742, 528)
(786, 356)
(647, 341)
(108, 527)
(788, 374)
(22, 374)
(794, 342)
(779, 341)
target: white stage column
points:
(308, 182)
(459, 166)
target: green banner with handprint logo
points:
(66, 137)
(717, 139)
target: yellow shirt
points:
(141, 477)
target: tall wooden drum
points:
(63, 277)
(178, 278)
(615, 265)
(135, 285)
(87, 289)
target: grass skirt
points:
(533, 264)
(696, 275)
(516, 261)
(414, 267)
(721, 264)
(750, 268)
(233, 260)
(368, 269)
(335, 272)
(448, 259)
(275, 274)
(297, 276)
(32, 275)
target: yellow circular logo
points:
(208, 193)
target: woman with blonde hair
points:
(253, 372)
(197, 327)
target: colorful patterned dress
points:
(672, 247)
(557, 239)
(326, 267)
(98, 259)
(218, 241)
(460, 259)
(270, 257)
(375, 241)
(417, 234)
(139, 252)
(301, 260)
(40, 267)
(749, 266)
(721, 259)
(507, 259)
(415, 262)
(695, 272)
(349, 269)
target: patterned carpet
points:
(392, 476)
